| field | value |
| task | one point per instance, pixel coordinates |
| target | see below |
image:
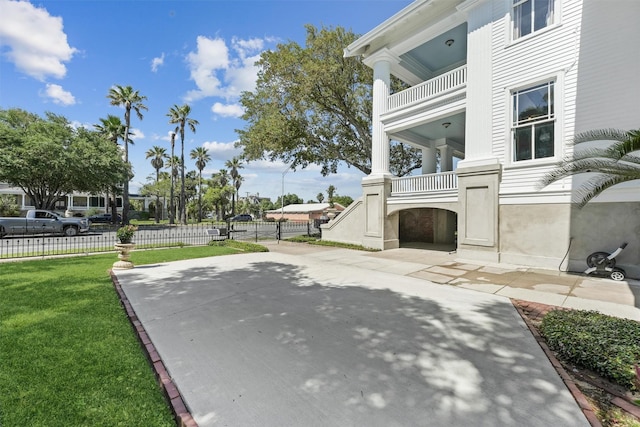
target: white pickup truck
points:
(42, 222)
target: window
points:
(61, 204)
(530, 16)
(96, 202)
(79, 201)
(533, 122)
(45, 215)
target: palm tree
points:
(157, 156)
(320, 197)
(113, 129)
(201, 156)
(220, 180)
(234, 164)
(613, 164)
(173, 164)
(331, 191)
(237, 183)
(222, 177)
(180, 115)
(172, 135)
(130, 99)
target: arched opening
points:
(428, 228)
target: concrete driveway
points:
(272, 339)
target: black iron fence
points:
(101, 238)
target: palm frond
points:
(600, 135)
(594, 187)
(631, 159)
(611, 165)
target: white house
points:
(76, 203)
(498, 89)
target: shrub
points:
(302, 239)
(141, 215)
(240, 245)
(92, 211)
(607, 345)
(126, 233)
(342, 245)
(8, 205)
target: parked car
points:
(242, 218)
(104, 218)
(38, 221)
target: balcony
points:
(438, 86)
(435, 183)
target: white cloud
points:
(267, 165)
(157, 62)
(136, 134)
(227, 110)
(77, 125)
(58, 95)
(37, 43)
(212, 55)
(223, 71)
(221, 148)
(280, 166)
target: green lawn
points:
(68, 355)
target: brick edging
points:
(539, 310)
(178, 406)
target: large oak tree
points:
(311, 105)
(47, 158)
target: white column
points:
(446, 158)
(379, 139)
(479, 121)
(429, 161)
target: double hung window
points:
(96, 202)
(533, 122)
(530, 16)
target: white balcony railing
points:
(439, 85)
(434, 182)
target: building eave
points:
(361, 45)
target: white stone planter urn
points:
(124, 250)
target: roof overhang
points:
(405, 24)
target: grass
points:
(312, 240)
(68, 353)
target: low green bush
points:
(140, 215)
(342, 245)
(607, 345)
(302, 239)
(239, 245)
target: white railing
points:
(424, 183)
(448, 81)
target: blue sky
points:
(64, 55)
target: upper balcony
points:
(436, 87)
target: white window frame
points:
(558, 133)
(552, 20)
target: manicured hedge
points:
(607, 345)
